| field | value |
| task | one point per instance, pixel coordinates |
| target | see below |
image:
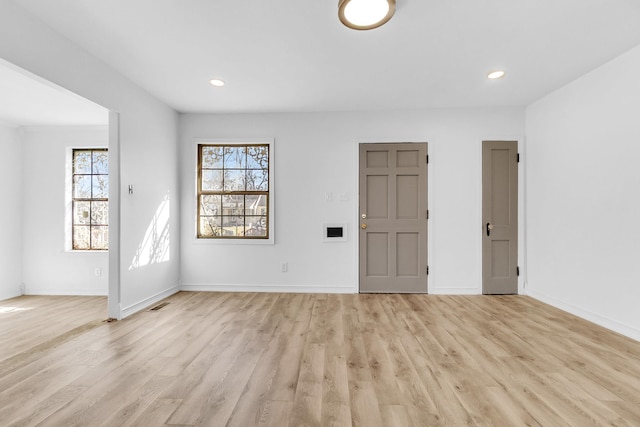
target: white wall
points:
(10, 213)
(147, 150)
(49, 268)
(317, 154)
(583, 175)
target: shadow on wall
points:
(154, 248)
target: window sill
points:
(269, 241)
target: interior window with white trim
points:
(90, 199)
(233, 191)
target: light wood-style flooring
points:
(242, 359)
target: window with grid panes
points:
(90, 199)
(233, 191)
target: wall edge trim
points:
(605, 322)
(72, 292)
(314, 289)
(455, 291)
(141, 305)
(9, 295)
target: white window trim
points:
(68, 198)
(194, 203)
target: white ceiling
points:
(294, 55)
(27, 100)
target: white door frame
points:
(355, 179)
(522, 197)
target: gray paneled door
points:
(499, 217)
(393, 218)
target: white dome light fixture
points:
(216, 82)
(365, 14)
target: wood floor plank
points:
(396, 416)
(508, 412)
(155, 414)
(255, 406)
(211, 379)
(31, 415)
(246, 359)
(365, 408)
(42, 317)
(307, 408)
(336, 409)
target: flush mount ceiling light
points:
(495, 74)
(365, 14)
(216, 82)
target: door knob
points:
(363, 226)
(489, 228)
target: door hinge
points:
(427, 213)
(427, 270)
(427, 159)
(518, 271)
(518, 157)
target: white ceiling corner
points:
(283, 55)
(28, 100)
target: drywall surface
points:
(11, 213)
(583, 206)
(147, 152)
(50, 267)
(316, 182)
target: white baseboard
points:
(141, 305)
(205, 287)
(76, 292)
(269, 288)
(8, 295)
(455, 291)
(605, 322)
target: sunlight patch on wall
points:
(154, 248)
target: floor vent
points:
(159, 306)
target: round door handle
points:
(363, 226)
(489, 228)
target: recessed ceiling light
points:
(216, 82)
(495, 74)
(365, 14)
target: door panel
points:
(499, 217)
(377, 205)
(408, 254)
(407, 200)
(377, 250)
(408, 158)
(377, 159)
(500, 259)
(393, 208)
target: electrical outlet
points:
(285, 267)
(98, 271)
